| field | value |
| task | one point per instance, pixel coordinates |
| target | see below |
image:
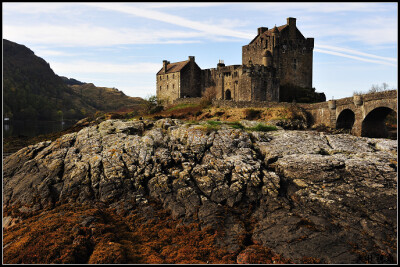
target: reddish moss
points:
(63, 235)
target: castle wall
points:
(255, 50)
(280, 56)
(168, 86)
(296, 61)
(190, 81)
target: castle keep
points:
(275, 60)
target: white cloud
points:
(315, 7)
(87, 35)
(181, 5)
(103, 67)
(35, 8)
(172, 19)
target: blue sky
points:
(122, 44)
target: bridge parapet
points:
(357, 107)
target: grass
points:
(181, 106)
(214, 123)
(236, 125)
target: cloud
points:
(87, 35)
(219, 31)
(172, 19)
(181, 5)
(104, 67)
(315, 7)
(35, 8)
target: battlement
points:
(276, 57)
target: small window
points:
(160, 77)
(167, 77)
(167, 86)
(173, 86)
(294, 63)
(173, 76)
(160, 88)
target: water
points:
(33, 128)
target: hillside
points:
(31, 90)
(105, 99)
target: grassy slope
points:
(106, 99)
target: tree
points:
(152, 105)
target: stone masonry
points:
(275, 57)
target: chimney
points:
(165, 64)
(292, 27)
(191, 58)
(261, 30)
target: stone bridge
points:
(364, 114)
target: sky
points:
(122, 44)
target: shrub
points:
(209, 93)
(252, 114)
(152, 105)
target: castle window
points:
(173, 76)
(167, 86)
(167, 77)
(160, 88)
(160, 77)
(173, 86)
(294, 63)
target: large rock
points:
(301, 193)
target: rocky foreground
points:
(301, 194)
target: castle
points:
(276, 66)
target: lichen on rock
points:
(306, 194)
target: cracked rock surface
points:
(300, 193)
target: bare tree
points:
(209, 93)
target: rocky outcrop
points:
(303, 194)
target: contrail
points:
(353, 57)
(355, 52)
(164, 17)
(220, 31)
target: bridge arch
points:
(346, 119)
(373, 125)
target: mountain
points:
(71, 81)
(31, 90)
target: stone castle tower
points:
(275, 60)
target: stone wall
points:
(168, 86)
(189, 100)
(190, 80)
(296, 61)
(248, 104)
(327, 113)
